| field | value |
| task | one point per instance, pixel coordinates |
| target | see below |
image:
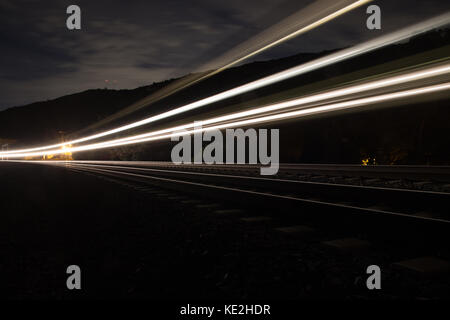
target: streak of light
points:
(304, 20)
(276, 117)
(396, 80)
(297, 17)
(295, 71)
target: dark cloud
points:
(139, 42)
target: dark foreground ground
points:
(134, 244)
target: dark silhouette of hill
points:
(44, 122)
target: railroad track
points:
(399, 229)
(238, 183)
(290, 206)
(426, 178)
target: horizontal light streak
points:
(394, 80)
(292, 72)
(276, 117)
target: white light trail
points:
(292, 72)
(294, 34)
(276, 117)
(396, 80)
(314, 15)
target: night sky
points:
(134, 43)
